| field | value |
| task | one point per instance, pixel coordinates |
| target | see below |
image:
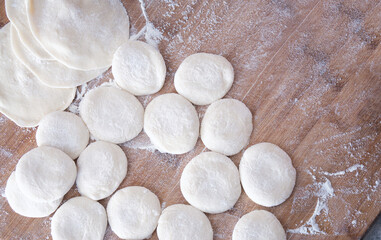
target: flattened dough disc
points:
(210, 182)
(25, 206)
(16, 12)
(50, 72)
(79, 218)
(23, 98)
(184, 222)
(258, 225)
(82, 34)
(267, 174)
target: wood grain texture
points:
(310, 72)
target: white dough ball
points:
(171, 122)
(139, 68)
(79, 218)
(112, 114)
(226, 126)
(102, 166)
(25, 206)
(64, 131)
(184, 222)
(210, 182)
(267, 174)
(258, 225)
(133, 212)
(45, 174)
(203, 78)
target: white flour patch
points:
(141, 142)
(341, 173)
(152, 35)
(2, 192)
(5, 153)
(324, 191)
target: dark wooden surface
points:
(310, 72)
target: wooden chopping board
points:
(310, 72)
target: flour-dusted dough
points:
(267, 174)
(23, 205)
(112, 114)
(258, 225)
(210, 182)
(16, 13)
(50, 72)
(45, 174)
(79, 33)
(79, 218)
(139, 68)
(133, 212)
(172, 123)
(226, 126)
(64, 131)
(184, 222)
(102, 166)
(23, 98)
(204, 78)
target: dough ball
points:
(267, 174)
(79, 218)
(139, 68)
(226, 126)
(184, 222)
(64, 131)
(45, 174)
(133, 212)
(102, 166)
(258, 225)
(25, 206)
(16, 13)
(81, 34)
(171, 122)
(23, 98)
(210, 182)
(204, 78)
(112, 114)
(50, 72)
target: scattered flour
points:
(152, 35)
(348, 170)
(324, 191)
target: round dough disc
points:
(102, 166)
(16, 13)
(50, 72)
(45, 174)
(23, 98)
(64, 131)
(171, 122)
(204, 78)
(138, 68)
(133, 212)
(258, 225)
(112, 114)
(267, 174)
(79, 218)
(82, 35)
(23, 205)
(184, 222)
(210, 182)
(226, 126)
